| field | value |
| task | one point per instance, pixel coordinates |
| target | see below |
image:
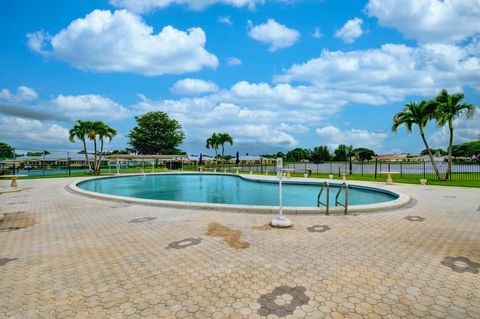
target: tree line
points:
(321, 154)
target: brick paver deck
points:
(67, 256)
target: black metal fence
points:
(462, 171)
(63, 163)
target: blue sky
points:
(275, 74)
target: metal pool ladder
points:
(345, 205)
(319, 201)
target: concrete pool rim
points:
(401, 200)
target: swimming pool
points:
(227, 189)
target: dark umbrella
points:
(200, 160)
(238, 159)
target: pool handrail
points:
(319, 201)
(344, 185)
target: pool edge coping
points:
(402, 200)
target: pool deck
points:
(63, 255)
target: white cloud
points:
(225, 20)
(30, 133)
(23, 94)
(351, 31)
(465, 130)
(233, 61)
(317, 33)
(333, 136)
(193, 87)
(442, 21)
(122, 42)
(278, 36)
(390, 73)
(89, 107)
(256, 113)
(141, 6)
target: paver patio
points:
(88, 258)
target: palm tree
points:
(450, 107)
(222, 139)
(420, 114)
(212, 142)
(79, 131)
(103, 131)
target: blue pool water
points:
(225, 189)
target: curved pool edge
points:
(402, 200)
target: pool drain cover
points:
(141, 220)
(461, 264)
(415, 218)
(318, 228)
(184, 243)
(282, 301)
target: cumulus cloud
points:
(225, 20)
(23, 94)
(333, 136)
(277, 35)
(89, 107)
(465, 130)
(233, 61)
(390, 73)
(440, 21)
(141, 6)
(317, 33)
(24, 132)
(103, 41)
(351, 31)
(256, 113)
(193, 87)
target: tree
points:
(103, 131)
(320, 154)
(450, 107)
(222, 139)
(417, 114)
(297, 154)
(364, 154)
(469, 149)
(436, 152)
(341, 153)
(88, 129)
(79, 131)
(156, 133)
(213, 142)
(38, 153)
(6, 151)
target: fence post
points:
(424, 170)
(401, 169)
(68, 161)
(331, 168)
(376, 163)
(362, 167)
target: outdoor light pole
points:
(280, 221)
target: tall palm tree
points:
(212, 142)
(103, 131)
(222, 139)
(450, 107)
(420, 114)
(80, 131)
